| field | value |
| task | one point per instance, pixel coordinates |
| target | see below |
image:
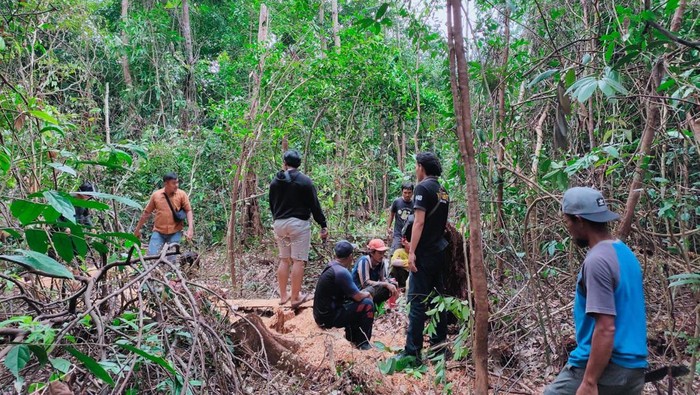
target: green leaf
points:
(586, 59)
(5, 161)
(570, 77)
(100, 247)
(92, 366)
(51, 128)
(609, 50)
(79, 245)
(40, 353)
(40, 263)
(2, 44)
(616, 85)
(669, 83)
(153, 358)
(17, 358)
(586, 91)
(542, 77)
(61, 204)
(381, 11)
(671, 6)
(605, 88)
(120, 199)
(63, 168)
(87, 203)
(685, 279)
(612, 151)
(26, 211)
(42, 115)
(64, 246)
(60, 364)
(37, 239)
(12, 232)
(119, 235)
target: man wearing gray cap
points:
(609, 312)
(338, 303)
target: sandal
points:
(284, 302)
(305, 298)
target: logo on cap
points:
(600, 202)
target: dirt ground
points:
(518, 361)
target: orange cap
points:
(377, 245)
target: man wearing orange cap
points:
(368, 273)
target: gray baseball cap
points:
(587, 203)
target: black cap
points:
(292, 158)
(343, 249)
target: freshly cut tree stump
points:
(251, 337)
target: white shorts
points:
(293, 236)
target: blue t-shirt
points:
(363, 271)
(610, 282)
(333, 289)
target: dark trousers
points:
(428, 278)
(379, 294)
(357, 319)
(400, 274)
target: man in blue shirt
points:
(609, 312)
(338, 303)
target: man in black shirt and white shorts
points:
(293, 200)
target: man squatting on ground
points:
(609, 311)
(293, 200)
(338, 303)
(368, 273)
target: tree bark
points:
(189, 89)
(459, 82)
(321, 30)
(125, 43)
(108, 133)
(336, 28)
(500, 147)
(653, 123)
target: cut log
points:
(262, 304)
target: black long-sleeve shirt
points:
(292, 194)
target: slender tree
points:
(459, 82)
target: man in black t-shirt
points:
(426, 259)
(401, 208)
(338, 303)
(293, 200)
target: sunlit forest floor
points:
(519, 361)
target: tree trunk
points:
(248, 146)
(500, 147)
(189, 89)
(653, 122)
(459, 82)
(108, 132)
(336, 28)
(321, 30)
(125, 42)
